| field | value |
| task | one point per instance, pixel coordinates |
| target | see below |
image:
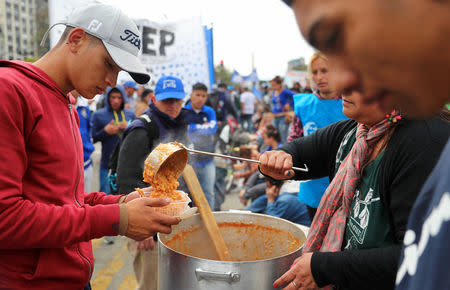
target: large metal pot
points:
(262, 247)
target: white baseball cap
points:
(118, 33)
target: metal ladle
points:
(305, 169)
(177, 156)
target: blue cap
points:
(169, 87)
(130, 84)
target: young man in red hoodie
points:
(46, 218)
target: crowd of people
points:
(374, 139)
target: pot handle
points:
(229, 277)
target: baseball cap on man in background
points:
(130, 88)
(118, 32)
(169, 87)
(130, 84)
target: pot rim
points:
(239, 262)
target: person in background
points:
(297, 88)
(281, 105)
(415, 80)
(84, 116)
(108, 125)
(248, 104)
(246, 169)
(130, 88)
(167, 113)
(307, 89)
(283, 205)
(271, 138)
(237, 100)
(316, 111)
(202, 130)
(220, 100)
(296, 130)
(253, 187)
(234, 98)
(267, 118)
(47, 221)
(144, 99)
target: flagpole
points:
(253, 67)
(253, 60)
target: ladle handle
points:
(239, 158)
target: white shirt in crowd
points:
(249, 100)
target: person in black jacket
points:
(377, 165)
(167, 112)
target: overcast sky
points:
(265, 28)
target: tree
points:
(222, 74)
(302, 67)
(41, 26)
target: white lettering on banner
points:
(94, 26)
(430, 227)
(169, 84)
(176, 49)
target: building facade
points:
(20, 24)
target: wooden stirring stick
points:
(206, 214)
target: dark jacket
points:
(100, 119)
(409, 157)
(220, 101)
(138, 144)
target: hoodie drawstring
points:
(117, 117)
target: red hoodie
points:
(46, 218)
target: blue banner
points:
(210, 53)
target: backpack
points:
(216, 100)
(144, 121)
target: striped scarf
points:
(327, 229)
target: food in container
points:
(177, 206)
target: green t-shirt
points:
(368, 223)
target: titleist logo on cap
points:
(132, 38)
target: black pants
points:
(311, 212)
